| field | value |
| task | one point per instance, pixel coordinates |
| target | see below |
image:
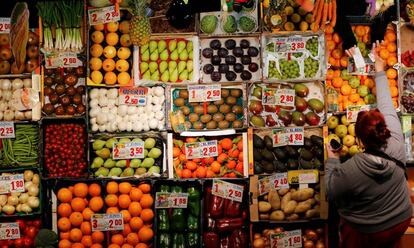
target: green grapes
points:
(311, 67)
(289, 68)
(273, 72)
(312, 46)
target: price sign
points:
(353, 111)
(367, 69)
(285, 97)
(4, 25)
(227, 190)
(103, 15)
(9, 231)
(268, 96)
(279, 138)
(128, 150)
(295, 136)
(276, 181)
(7, 130)
(171, 200)
(107, 222)
(204, 93)
(291, 239)
(12, 184)
(293, 44)
(133, 96)
(62, 60)
(205, 149)
(305, 178)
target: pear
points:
(165, 76)
(155, 76)
(172, 45)
(163, 66)
(128, 172)
(147, 75)
(184, 55)
(172, 65)
(162, 45)
(153, 66)
(102, 172)
(103, 153)
(190, 65)
(174, 55)
(164, 55)
(190, 75)
(98, 144)
(124, 140)
(143, 67)
(181, 66)
(189, 46)
(135, 163)
(140, 171)
(145, 56)
(97, 162)
(181, 46)
(190, 54)
(154, 55)
(153, 46)
(183, 75)
(144, 48)
(110, 143)
(174, 75)
(115, 172)
(109, 163)
(121, 163)
(137, 140)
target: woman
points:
(371, 191)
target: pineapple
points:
(409, 8)
(139, 26)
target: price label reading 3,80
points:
(107, 222)
(227, 190)
(9, 231)
(103, 15)
(6, 130)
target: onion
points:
(28, 175)
(18, 115)
(258, 243)
(6, 84)
(19, 208)
(33, 202)
(17, 84)
(3, 200)
(94, 94)
(33, 190)
(8, 115)
(7, 95)
(28, 115)
(26, 208)
(13, 200)
(112, 93)
(27, 83)
(16, 194)
(23, 198)
(308, 244)
(8, 209)
(27, 185)
(3, 106)
(36, 179)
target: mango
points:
(312, 119)
(298, 118)
(301, 90)
(300, 104)
(316, 105)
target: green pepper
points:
(163, 220)
(177, 217)
(164, 240)
(178, 240)
(164, 188)
(192, 223)
(194, 201)
(193, 240)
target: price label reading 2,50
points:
(107, 222)
(204, 93)
(227, 190)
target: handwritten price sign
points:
(295, 44)
(7, 130)
(171, 200)
(128, 150)
(103, 15)
(133, 96)
(204, 93)
(367, 69)
(295, 136)
(62, 60)
(279, 138)
(353, 111)
(291, 239)
(9, 231)
(227, 190)
(203, 149)
(285, 97)
(4, 25)
(276, 181)
(107, 222)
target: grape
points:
(311, 67)
(312, 46)
(273, 72)
(408, 102)
(297, 55)
(289, 68)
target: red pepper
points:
(238, 239)
(232, 208)
(225, 242)
(211, 240)
(211, 223)
(228, 224)
(216, 206)
(207, 199)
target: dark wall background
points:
(6, 8)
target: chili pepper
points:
(211, 223)
(192, 223)
(178, 240)
(216, 206)
(238, 239)
(164, 188)
(177, 217)
(211, 240)
(232, 208)
(163, 220)
(228, 224)
(164, 240)
(194, 201)
(193, 240)
(225, 242)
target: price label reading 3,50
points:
(107, 222)
(227, 190)
(103, 15)
(128, 150)
(9, 231)
(7, 130)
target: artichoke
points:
(247, 24)
(209, 24)
(230, 24)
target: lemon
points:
(109, 52)
(97, 37)
(124, 78)
(276, 20)
(295, 18)
(303, 26)
(289, 10)
(124, 27)
(112, 39)
(108, 64)
(96, 50)
(125, 40)
(124, 53)
(122, 65)
(98, 27)
(110, 77)
(96, 77)
(289, 26)
(95, 64)
(112, 26)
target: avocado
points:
(316, 163)
(318, 152)
(268, 142)
(316, 105)
(317, 141)
(257, 141)
(306, 154)
(301, 90)
(279, 166)
(258, 168)
(267, 166)
(292, 164)
(291, 152)
(306, 165)
(307, 142)
(257, 156)
(267, 155)
(280, 154)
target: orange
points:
(75, 235)
(110, 78)
(96, 246)
(191, 165)
(392, 60)
(145, 188)
(78, 204)
(395, 103)
(328, 37)
(97, 237)
(394, 91)
(141, 245)
(127, 230)
(64, 209)
(384, 54)
(112, 188)
(86, 228)
(136, 223)
(346, 89)
(76, 219)
(147, 215)
(391, 73)
(146, 201)
(135, 194)
(134, 209)
(124, 201)
(86, 241)
(392, 47)
(132, 239)
(215, 167)
(330, 45)
(112, 210)
(64, 195)
(64, 235)
(96, 203)
(108, 65)
(210, 174)
(111, 200)
(336, 53)
(64, 224)
(337, 82)
(344, 61)
(329, 29)
(360, 30)
(186, 173)
(78, 245)
(80, 190)
(94, 189)
(374, 91)
(126, 215)
(125, 188)
(329, 74)
(112, 39)
(114, 246)
(390, 36)
(360, 102)
(87, 213)
(145, 234)
(117, 239)
(369, 82)
(354, 97)
(64, 243)
(392, 82)
(127, 246)
(336, 38)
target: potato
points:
(277, 215)
(317, 197)
(264, 216)
(292, 217)
(302, 207)
(311, 201)
(264, 206)
(302, 194)
(285, 200)
(290, 207)
(312, 213)
(283, 192)
(274, 199)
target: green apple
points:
(143, 67)
(181, 46)
(145, 56)
(165, 76)
(162, 45)
(181, 66)
(153, 46)
(348, 140)
(164, 55)
(341, 131)
(163, 66)
(155, 76)
(147, 75)
(351, 129)
(333, 122)
(344, 151)
(354, 150)
(189, 46)
(153, 66)
(154, 55)
(172, 45)
(183, 75)
(184, 55)
(174, 55)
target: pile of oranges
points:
(336, 55)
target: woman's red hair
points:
(371, 129)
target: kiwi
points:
(219, 102)
(235, 93)
(225, 93)
(199, 109)
(211, 125)
(194, 104)
(179, 102)
(183, 94)
(193, 117)
(188, 124)
(237, 109)
(186, 110)
(218, 117)
(205, 118)
(224, 109)
(212, 109)
(237, 124)
(198, 125)
(230, 117)
(223, 124)
(231, 100)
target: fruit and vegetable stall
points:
(175, 123)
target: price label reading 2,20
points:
(103, 15)
(107, 222)
(227, 190)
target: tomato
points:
(37, 223)
(18, 243)
(31, 232)
(28, 242)
(10, 242)
(22, 224)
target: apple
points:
(341, 131)
(333, 122)
(5, 53)
(348, 140)
(4, 67)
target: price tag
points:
(62, 60)
(103, 15)
(128, 150)
(7, 130)
(293, 44)
(367, 69)
(227, 190)
(107, 222)
(295, 136)
(279, 138)
(305, 178)
(204, 93)
(268, 96)
(291, 239)
(9, 231)
(285, 97)
(205, 149)
(133, 96)
(4, 25)
(276, 181)
(171, 200)
(353, 111)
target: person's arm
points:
(336, 181)
(344, 28)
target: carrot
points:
(333, 21)
(325, 15)
(315, 10)
(329, 10)
(319, 14)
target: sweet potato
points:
(274, 199)
(302, 194)
(290, 207)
